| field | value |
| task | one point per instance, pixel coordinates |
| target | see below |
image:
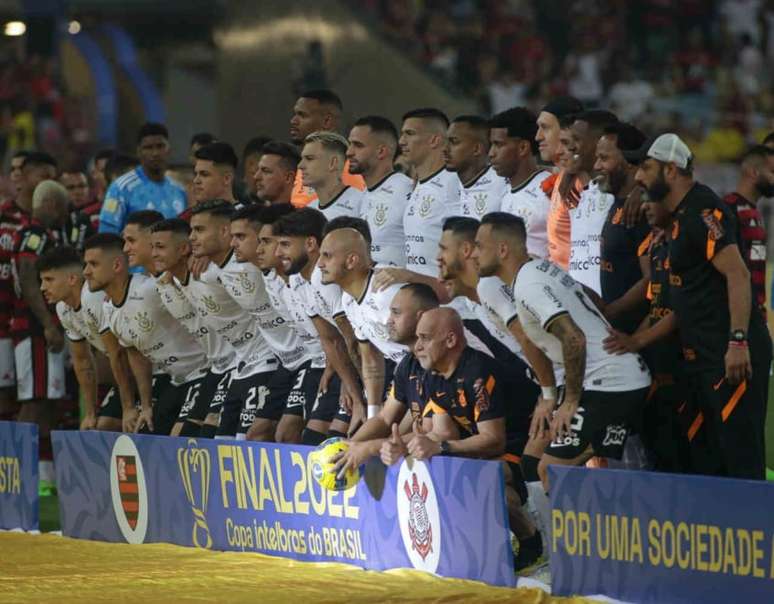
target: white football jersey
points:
(245, 284)
(483, 195)
(368, 316)
(86, 321)
(531, 204)
(432, 201)
(141, 321)
(491, 293)
(544, 292)
(327, 296)
(346, 203)
(383, 207)
(586, 222)
(218, 350)
(222, 314)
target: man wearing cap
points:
(726, 346)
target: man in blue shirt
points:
(145, 187)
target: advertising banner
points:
(661, 538)
(446, 516)
(18, 476)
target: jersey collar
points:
(335, 199)
(381, 182)
(367, 286)
(126, 292)
(525, 182)
(432, 176)
(475, 179)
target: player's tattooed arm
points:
(349, 337)
(373, 373)
(85, 368)
(142, 369)
(119, 366)
(574, 354)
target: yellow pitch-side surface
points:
(46, 568)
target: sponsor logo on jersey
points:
(420, 523)
(127, 489)
(144, 322)
(194, 465)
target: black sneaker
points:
(530, 551)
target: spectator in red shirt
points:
(756, 180)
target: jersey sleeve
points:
(70, 329)
(113, 213)
(711, 230)
(499, 298)
(540, 298)
(400, 379)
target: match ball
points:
(322, 466)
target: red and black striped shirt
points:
(12, 220)
(751, 235)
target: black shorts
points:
(111, 405)
(262, 396)
(729, 428)
(325, 407)
(198, 395)
(305, 381)
(603, 420)
(666, 424)
(166, 404)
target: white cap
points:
(669, 148)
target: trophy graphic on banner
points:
(194, 464)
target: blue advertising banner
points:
(18, 476)
(446, 516)
(662, 538)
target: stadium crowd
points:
(541, 289)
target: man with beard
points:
(588, 216)
(756, 180)
(467, 154)
(624, 272)
(373, 144)
(726, 346)
(317, 111)
(276, 172)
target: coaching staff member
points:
(727, 348)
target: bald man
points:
(467, 396)
(345, 260)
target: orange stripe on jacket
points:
(734, 400)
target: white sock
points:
(46, 471)
(539, 502)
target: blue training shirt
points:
(134, 191)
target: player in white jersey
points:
(171, 253)
(153, 338)
(373, 143)
(322, 159)
(512, 153)
(316, 310)
(459, 272)
(603, 392)
(256, 383)
(437, 192)
(80, 312)
(467, 149)
(345, 261)
(588, 217)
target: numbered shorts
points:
(199, 395)
(40, 373)
(262, 395)
(602, 421)
(7, 363)
(306, 400)
(111, 405)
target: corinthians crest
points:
(194, 466)
(210, 304)
(245, 283)
(479, 203)
(425, 206)
(144, 322)
(419, 526)
(381, 214)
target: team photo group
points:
(551, 288)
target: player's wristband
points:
(549, 393)
(737, 343)
(373, 411)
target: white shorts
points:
(40, 373)
(7, 365)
